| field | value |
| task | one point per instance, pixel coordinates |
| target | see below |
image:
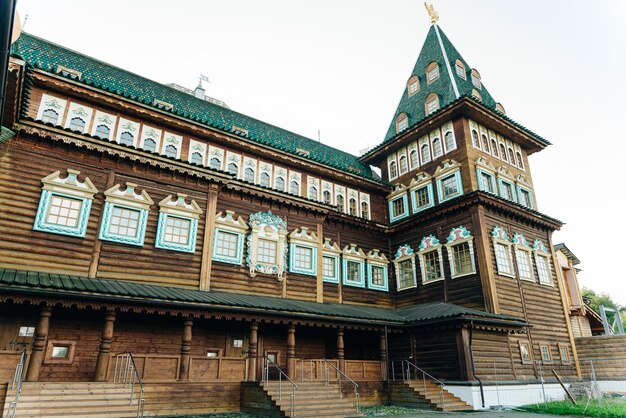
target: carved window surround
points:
(542, 258)
(177, 210)
(377, 261)
(404, 253)
(500, 237)
(130, 202)
(522, 255)
(227, 226)
(273, 230)
(459, 236)
(353, 266)
(430, 247)
(307, 241)
(443, 172)
(332, 254)
(419, 182)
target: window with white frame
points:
(421, 190)
(425, 153)
(544, 348)
(460, 69)
(449, 141)
(127, 138)
(437, 148)
(340, 203)
(103, 131)
(171, 151)
(352, 207)
(432, 72)
(502, 251)
(448, 178)
(353, 266)
(522, 257)
(377, 273)
(414, 159)
(265, 179)
(267, 247)
(50, 116)
(413, 85)
(475, 139)
(330, 261)
(125, 215)
(280, 184)
(77, 124)
(494, 148)
(542, 261)
(485, 142)
(476, 79)
(460, 249)
(402, 122)
(393, 170)
(365, 210)
(520, 161)
(404, 262)
(178, 224)
(196, 158)
(149, 145)
(431, 260)
(398, 205)
(294, 188)
(432, 103)
(65, 204)
(485, 175)
(511, 156)
(249, 175)
(326, 197)
(503, 152)
(303, 252)
(404, 167)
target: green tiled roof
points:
(47, 56)
(414, 106)
(119, 291)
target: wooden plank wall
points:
(607, 354)
(436, 352)
(191, 398)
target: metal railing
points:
(126, 372)
(16, 384)
(357, 399)
(410, 372)
(267, 363)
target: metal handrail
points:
(18, 379)
(267, 362)
(407, 377)
(126, 372)
(356, 385)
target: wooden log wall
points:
(607, 354)
(191, 398)
(436, 352)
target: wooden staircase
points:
(313, 399)
(425, 395)
(62, 399)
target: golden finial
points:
(434, 16)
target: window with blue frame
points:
(178, 224)
(303, 252)
(228, 238)
(65, 204)
(524, 197)
(125, 215)
(377, 277)
(330, 262)
(422, 197)
(486, 181)
(353, 266)
(449, 186)
(398, 207)
(507, 190)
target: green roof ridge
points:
(47, 56)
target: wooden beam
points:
(319, 284)
(485, 267)
(207, 243)
(97, 247)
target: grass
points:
(609, 408)
(369, 411)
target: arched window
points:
(149, 145)
(103, 131)
(265, 179)
(450, 143)
(171, 151)
(50, 116)
(460, 69)
(312, 192)
(196, 158)
(413, 85)
(393, 170)
(233, 169)
(520, 162)
(365, 213)
(511, 156)
(352, 208)
(294, 188)
(432, 72)
(340, 204)
(403, 166)
(402, 122)
(475, 139)
(425, 151)
(127, 138)
(502, 152)
(249, 175)
(326, 197)
(437, 149)
(476, 79)
(432, 103)
(485, 142)
(77, 124)
(494, 147)
(280, 184)
(414, 159)
(215, 163)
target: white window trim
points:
(178, 208)
(448, 128)
(399, 194)
(376, 259)
(457, 236)
(226, 222)
(404, 253)
(303, 238)
(521, 245)
(128, 199)
(448, 167)
(421, 180)
(540, 250)
(499, 236)
(352, 253)
(332, 251)
(269, 227)
(427, 245)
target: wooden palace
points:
(152, 237)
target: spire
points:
(437, 63)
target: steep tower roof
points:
(448, 87)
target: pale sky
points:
(341, 67)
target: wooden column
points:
(340, 350)
(97, 247)
(383, 355)
(104, 350)
(252, 351)
(291, 351)
(465, 354)
(319, 285)
(485, 267)
(207, 242)
(185, 348)
(39, 344)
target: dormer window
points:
(476, 79)
(402, 122)
(413, 85)
(69, 72)
(432, 103)
(432, 72)
(477, 95)
(500, 108)
(460, 69)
